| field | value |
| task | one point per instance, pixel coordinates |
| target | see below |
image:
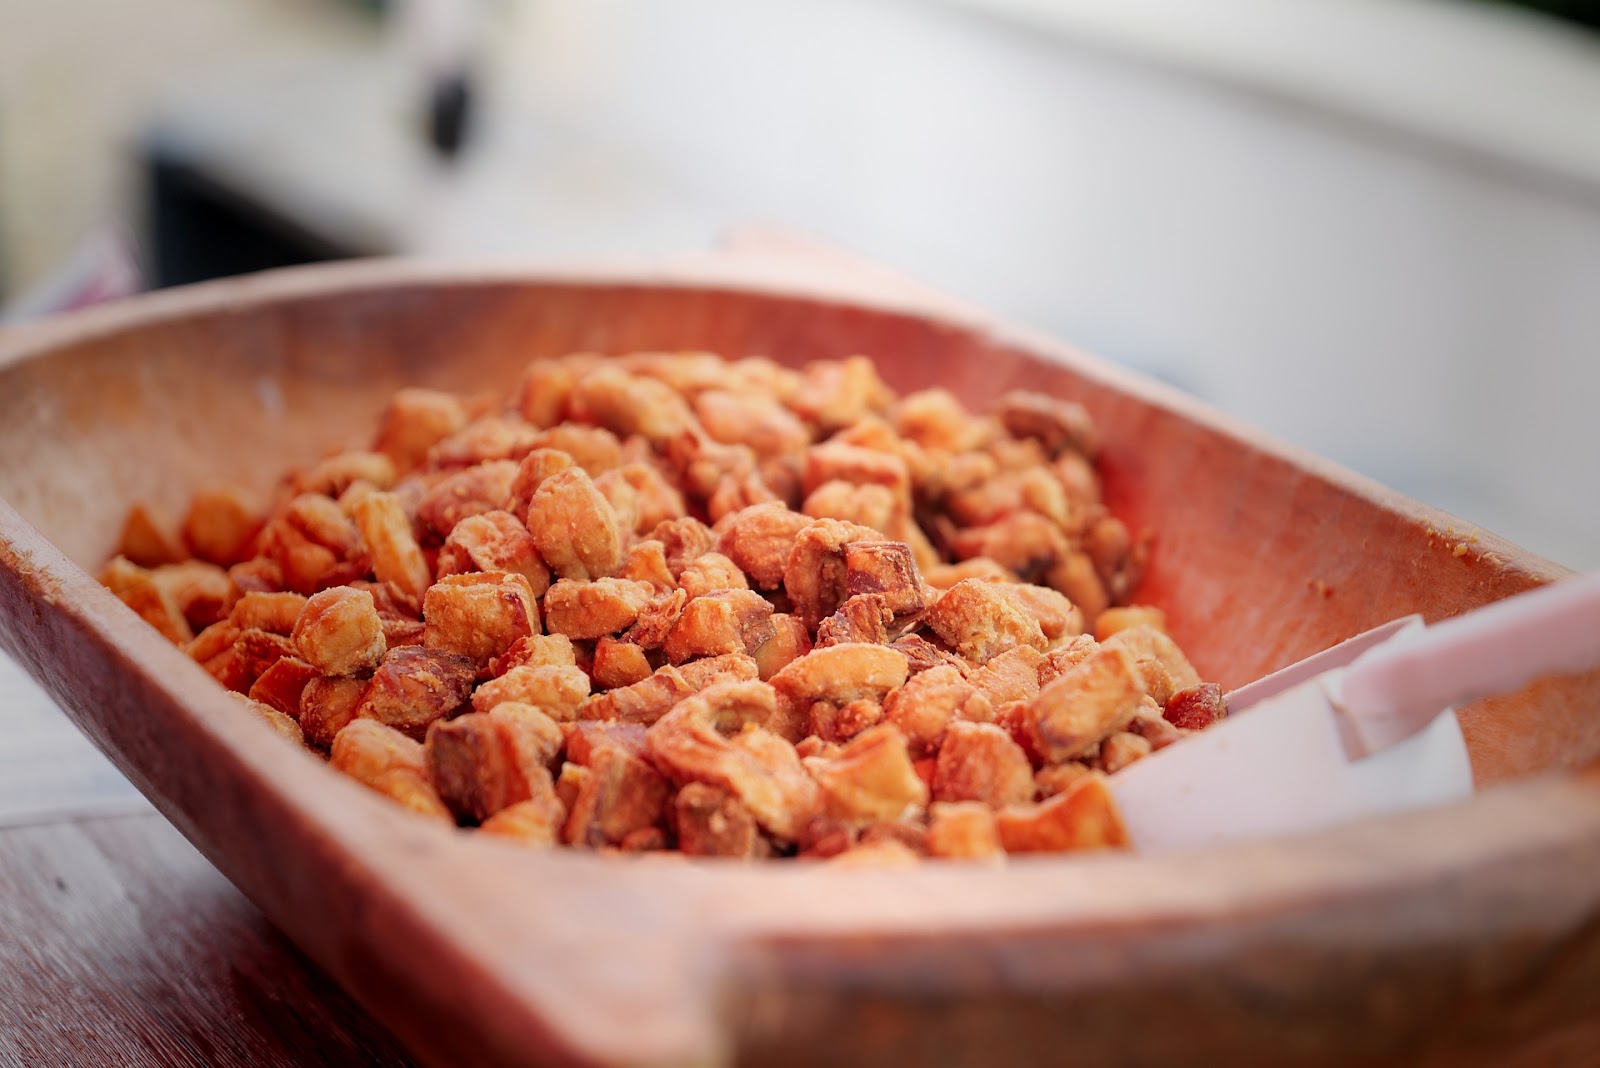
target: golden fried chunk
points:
(1058, 617)
(1115, 620)
(1075, 576)
(414, 421)
(338, 632)
(657, 618)
(981, 619)
(1118, 557)
(927, 704)
(759, 541)
(788, 642)
(213, 640)
(488, 438)
(815, 576)
(835, 676)
(276, 612)
(657, 499)
(1162, 666)
(629, 404)
(534, 468)
(866, 617)
(251, 654)
(494, 541)
(322, 521)
(1011, 676)
(684, 541)
(872, 507)
(885, 568)
(536, 822)
(646, 561)
(533, 650)
(750, 419)
(1054, 778)
(643, 702)
(1082, 816)
(546, 384)
(835, 461)
(306, 565)
(556, 689)
(618, 794)
(711, 822)
(841, 723)
(717, 737)
(220, 526)
(1150, 726)
(136, 588)
(729, 667)
(980, 762)
(944, 576)
(575, 527)
(332, 476)
(838, 393)
(1058, 425)
(624, 501)
(736, 492)
(1085, 704)
(484, 487)
(618, 663)
(724, 621)
(327, 705)
(935, 419)
(595, 609)
(1196, 707)
(963, 830)
(1025, 543)
(397, 560)
(1065, 657)
(385, 760)
(481, 763)
(871, 778)
(585, 737)
(479, 615)
(713, 571)
(415, 686)
(1120, 750)
(281, 685)
(921, 654)
(593, 448)
(285, 726)
(149, 538)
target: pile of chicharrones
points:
(669, 601)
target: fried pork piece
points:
(1118, 557)
(628, 404)
(885, 568)
(414, 421)
(1196, 707)
(595, 609)
(534, 468)
(136, 588)
(413, 687)
(788, 642)
(618, 663)
(557, 689)
(750, 419)
(873, 507)
(397, 559)
(643, 702)
(593, 448)
(575, 527)
(484, 487)
(711, 822)
(220, 526)
(921, 654)
(1120, 750)
(276, 612)
(980, 762)
(322, 521)
(149, 538)
(935, 419)
(835, 461)
(272, 717)
(1065, 657)
(1058, 425)
(866, 617)
(871, 777)
(535, 822)
(944, 576)
(1085, 704)
(252, 653)
(657, 618)
(759, 541)
(281, 685)
(980, 620)
(1024, 543)
(1011, 676)
(834, 677)
(338, 632)
(583, 738)
(1058, 617)
(683, 541)
(1163, 668)
(711, 572)
(533, 650)
(333, 475)
(838, 393)
(306, 565)
(327, 706)
(718, 737)
(485, 439)
(203, 592)
(617, 795)
(963, 830)
(815, 576)
(646, 561)
(924, 708)
(481, 763)
(1114, 620)
(383, 759)
(724, 621)
(542, 394)
(1082, 816)
(494, 541)
(479, 615)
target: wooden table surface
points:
(120, 945)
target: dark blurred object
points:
(1583, 12)
(450, 113)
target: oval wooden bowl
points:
(1465, 935)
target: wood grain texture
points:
(1464, 935)
(122, 947)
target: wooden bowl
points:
(1465, 935)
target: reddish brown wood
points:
(1459, 936)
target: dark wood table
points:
(120, 945)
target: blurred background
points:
(1371, 227)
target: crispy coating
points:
(1196, 707)
(980, 620)
(870, 506)
(929, 702)
(646, 561)
(921, 654)
(536, 822)
(710, 572)
(1011, 676)
(327, 705)
(283, 725)
(836, 461)
(618, 663)
(711, 822)
(963, 830)
(788, 642)
(729, 667)
(487, 439)
(1122, 749)
(533, 650)
(414, 421)
(481, 763)
(1113, 620)
(595, 609)
(149, 538)
(397, 560)
(750, 419)
(220, 526)
(1024, 543)
(388, 762)
(1058, 617)
(541, 396)
(759, 541)
(838, 393)
(980, 762)
(643, 702)
(1082, 816)
(251, 654)
(494, 541)
(657, 618)
(484, 487)
(1085, 704)
(631, 404)
(815, 576)
(656, 499)
(945, 576)
(137, 588)
(203, 592)
(533, 469)
(865, 617)
(885, 568)
(1057, 425)
(871, 778)
(276, 612)
(935, 419)
(717, 737)
(413, 687)
(1163, 668)
(684, 541)
(1075, 576)
(618, 794)
(583, 738)
(593, 448)
(723, 621)
(558, 690)
(479, 615)
(338, 632)
(281, 685)
(575, 527)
